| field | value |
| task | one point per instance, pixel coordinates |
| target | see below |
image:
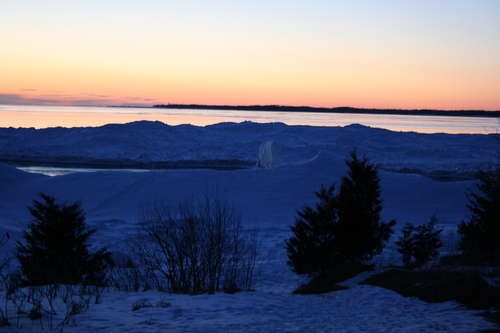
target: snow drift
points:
(155, 144)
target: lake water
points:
(60, 171)
(74, 116)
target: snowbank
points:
(156, 144)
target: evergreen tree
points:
(420, 244)
(427, 242)
(406, 244)
(56, 250)
(480, 235)
(343, 230)
(360, 232)
(311, 249)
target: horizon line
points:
(288, 108)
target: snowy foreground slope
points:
(267, 199)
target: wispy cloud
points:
(135, 98)
(22, 99)
(26, 89)
(83, 99)
(95, 95)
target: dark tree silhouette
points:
(360, 232)
(420, 244)
(343, 231)
(311, 249)
(480, 235)
(57, 249)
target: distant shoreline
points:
(281, 108)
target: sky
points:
(441, 54)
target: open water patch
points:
(61, 169)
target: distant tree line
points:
(344, 109)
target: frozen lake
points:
(73, 116)
(60, 171)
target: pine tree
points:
(57, 249)
(427, 242)
(480, 235)
(406, 244)
(420, 244)
(360, 232)
(311, 249)
(343, 230)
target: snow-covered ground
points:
(238, 144)
(266, 198)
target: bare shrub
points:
(50, 306)
(127, 276)
(195, 246)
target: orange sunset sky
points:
(374, 54)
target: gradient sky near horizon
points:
(441, 54)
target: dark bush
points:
(419, 244)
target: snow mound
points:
(270, 155)
(9, 174)
(157, 144)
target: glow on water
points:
(71, 116)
